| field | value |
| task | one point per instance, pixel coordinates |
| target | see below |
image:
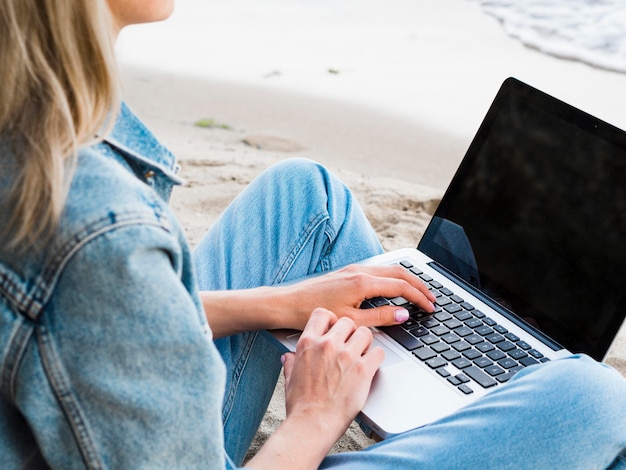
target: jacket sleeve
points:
(129, 357)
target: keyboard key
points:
(465, 389)
(457, 299)
(483, 362)
(425, 277)
(461, 346)
(523, 345)
(506, 346)
(439, 330)
(378, 301)
(399, 301)
(424, 354)
(419, 331)
(496, 355)
(488, 321)
(478, 314)
(517, 354)
(467, 306)
(442, 371)
(447, 292)
(416, 271)
(405, 339)
(528, 361)
(450, 338)
(436, 285)
(442, 316)
(452, 308)
(462, 378)
(500, 329)
(485, 347)
(436, 362)
(472, 354)
(479, 377)
(454, 381)
(484, 330)
(450, 355)
(430, 322)
(429, 339)
(494, 370)
(536, 354)
(474, 339)
(512, 337)
(452, 323)
(494, 338)
(406, 264)
(461, 363)
(507, 363)
(472, 322)
(463, 315)
(440, 347)
(463, 331)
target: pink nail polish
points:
(401, 315)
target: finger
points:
(361, 340)
(288, 360)
(380, 316)
(319, 322)
(398, 272)
(343, 329)
(393, 287)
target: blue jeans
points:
(297, 219)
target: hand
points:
(328, 378)
(327, 381)
(344, 290)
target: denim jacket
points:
(106, 358)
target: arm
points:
(326, 383)
(342, 292)
(128, 337)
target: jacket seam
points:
(70, 407)
(31, 304)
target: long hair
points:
(59, 92)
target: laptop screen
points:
(535, 217)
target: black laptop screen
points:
(536, 218)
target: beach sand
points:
(393, 127)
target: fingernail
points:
(282, 359)
(433, 306)
(401, 315)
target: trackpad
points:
(390, 356)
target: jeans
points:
(297, 219)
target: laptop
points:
(526, 254)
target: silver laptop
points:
(526, 254)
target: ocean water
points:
(590, 31)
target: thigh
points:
(295, 219)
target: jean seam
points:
(301, 242)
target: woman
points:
(107, 358)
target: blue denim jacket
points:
(106, 358)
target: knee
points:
(296, 169)
(588, 390)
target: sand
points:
(389, 101)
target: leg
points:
(569, 414)
(295, 219)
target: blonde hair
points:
(59, 91)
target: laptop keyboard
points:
(464, 346)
